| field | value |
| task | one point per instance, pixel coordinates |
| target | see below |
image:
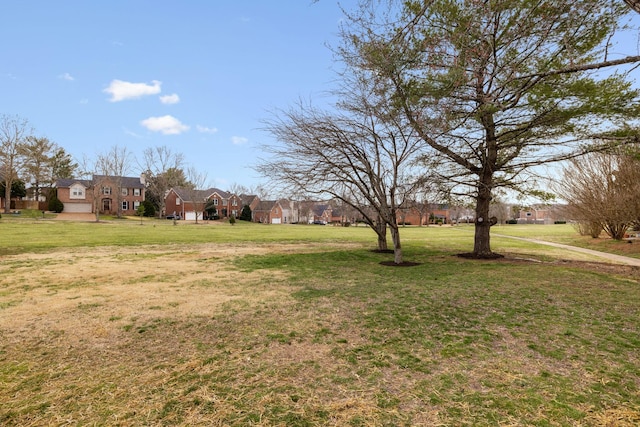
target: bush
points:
(149, 208)
(512, 221)
(55, 205)
(245, 215)
(559, 222)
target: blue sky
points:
(197, 76)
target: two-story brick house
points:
(105, 194)
(187, 203)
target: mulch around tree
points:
(402, 264)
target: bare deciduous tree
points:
(157, 164)
(198, 183)
(115, 164)
(361, 156)
(633, 4)
(14, 131)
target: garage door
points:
(190, 216)
(276, 221)
(77, 208)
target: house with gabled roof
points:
(269, 212)
(188, 204)
(250, 200)
(104, 194)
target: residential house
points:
(544, 214)
(322, 212)
(106, 194)
(424, 214)
(289, 211)
(186, 203)
(250, 200)
(534, 215)
(269, 212)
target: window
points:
(125, 205)
(177, 201)
(234, 202)
(76, 192)
(124, 191)
(224, 202)
(215, 202)
(234, 213)
(136, 191)
(106, 190)
(136, 205)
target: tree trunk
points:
(482, 239)
(7, 196)
(380, 228)
(397, 247)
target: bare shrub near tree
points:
(602, 192)
(496, 88)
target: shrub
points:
(149, 208)
(559, 222)
(245, 215)
(512, 221)
(55, 205)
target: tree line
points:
(39, 162)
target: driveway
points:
(72, 216)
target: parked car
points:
(174, 216)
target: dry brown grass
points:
(128, 336)
(182, 335)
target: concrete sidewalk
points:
(618, 259)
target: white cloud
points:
(204, 129)
(121, 90)
(167, 125)
(66, 76)
(239, 140)
(170, 99)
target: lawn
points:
(566, 234)
(119, 323)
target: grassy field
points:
(118, 323)
(566, 234)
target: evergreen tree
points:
(245, 215)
